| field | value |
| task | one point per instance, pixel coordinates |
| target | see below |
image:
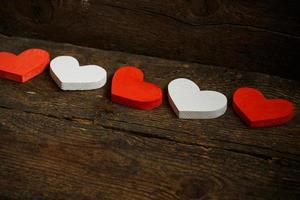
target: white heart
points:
(69, 75)
(188, 102)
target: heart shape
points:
(257, 111)
(188, 102)
(24, 66)
(69, 75)
(130, 89)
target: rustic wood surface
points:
(80, 145)
(254, 35)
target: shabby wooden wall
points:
(255, 35)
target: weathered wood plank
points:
(48, 158)
(67, 145)
(251, 35)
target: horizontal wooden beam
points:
(256, 35)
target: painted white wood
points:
(188, 102)
(69, 75)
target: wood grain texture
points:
(80, 145)
(253, 35)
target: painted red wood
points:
(257, 111)
(130, 89)
(24, 66)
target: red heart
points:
(129, 89)
(257, 111)
(24, 66)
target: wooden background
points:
(254, 35)
(57, 145)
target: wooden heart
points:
(24, 66)
(130, 89)
(257, 111)
(69, 75)
(188, 102)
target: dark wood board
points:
(253, 35)
(80, 145)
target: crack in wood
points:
(205, 147)
(254, 146)
(147, 135)
(79, 120)
(250, 27)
